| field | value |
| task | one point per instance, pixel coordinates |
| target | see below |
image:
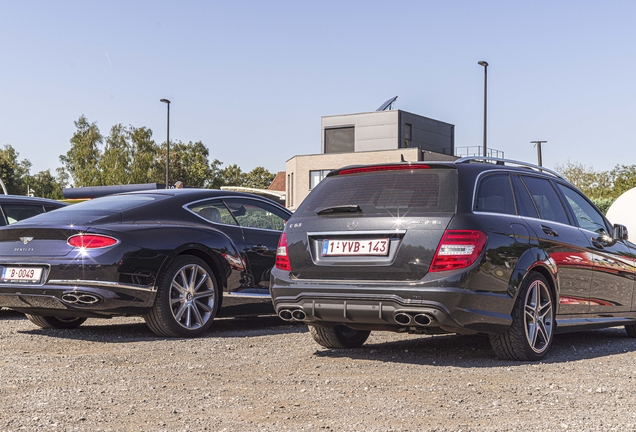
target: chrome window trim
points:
(221, 198)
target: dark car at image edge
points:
(479, 245)
(177, 257)
(14, 208)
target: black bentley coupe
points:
(177, 257)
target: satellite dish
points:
(387, 105)
(623, 211)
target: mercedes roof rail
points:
(500, 161)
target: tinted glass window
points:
(256, 214)
(18, 212)
(49, 208)
(395, 193)
(546, 199)
(339, 140)
(586, 215)
(525, 206)
(495, 195)
(113, 203)
(214, 211)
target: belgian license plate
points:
(355, 247)
(22, 274)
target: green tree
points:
(231, 176)
(188, 164)
(82, 160)
(258, 178)
(114, 162)
(12, 171)
(215, 181)
(592, 183)
(144, 156)
(623, 178)
(45, 185)
(197, 169)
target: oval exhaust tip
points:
(298, 315)
(422, 319)
(285, 314)
(402, 318)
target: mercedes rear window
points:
(400, 192)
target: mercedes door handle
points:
(549, 231)
(260, 248)
(597, 244)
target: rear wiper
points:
(349, 208)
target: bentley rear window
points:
(394, 192)
(114, 203)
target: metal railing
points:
(478, 151)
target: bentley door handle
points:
(260, 248)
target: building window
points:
(316, 177)
(407, 135)
(339, 140)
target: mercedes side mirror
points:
(620, 232)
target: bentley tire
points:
(187, 299)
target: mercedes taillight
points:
(458, 249)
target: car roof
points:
(194, 194)
(474, 165)
(22, 199)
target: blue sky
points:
(251, 79)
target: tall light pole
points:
(485, 65)
(537, 144)
(166, 101)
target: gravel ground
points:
(263, 374)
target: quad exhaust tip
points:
(81, 298)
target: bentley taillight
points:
(92, 241)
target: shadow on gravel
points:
(113, 332)
(474, 351)
(8, 314)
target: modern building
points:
(368, 138)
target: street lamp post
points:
(166, 101)
(485, 65)
(538, 146)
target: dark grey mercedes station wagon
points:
(488, 246)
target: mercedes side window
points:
(586, 215)
(525, 206)
(546, 199)
(495, 195)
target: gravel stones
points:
(264, 374)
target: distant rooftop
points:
(278, 184)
